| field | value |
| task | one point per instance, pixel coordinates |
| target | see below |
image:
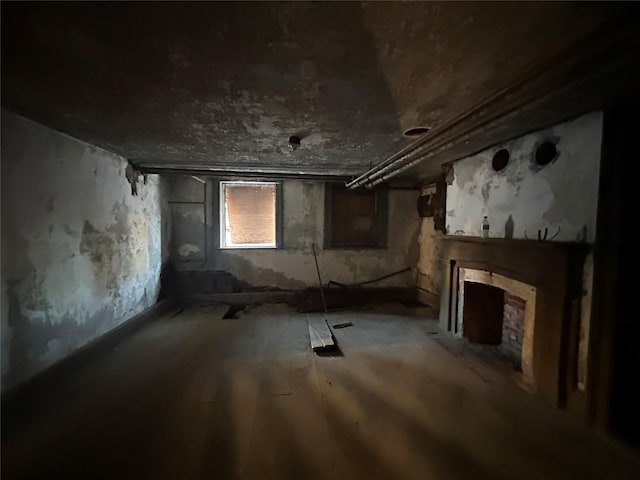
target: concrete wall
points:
(429, 271)
(80, 254)
(561, 195)
(194, 244)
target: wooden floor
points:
(198, 396)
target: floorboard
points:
(197, 396)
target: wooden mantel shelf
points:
(529, 243)
(530, 261)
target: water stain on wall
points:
(98, 246)
(72, 270)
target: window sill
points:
(250, 247)
(357, 248)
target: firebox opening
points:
(493, 316)
(482, 314)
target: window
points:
(249, 214)
(355, 218)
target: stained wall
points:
(80, 253)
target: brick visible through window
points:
(248, 214)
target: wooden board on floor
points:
(319, 333)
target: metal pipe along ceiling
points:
(529, 88)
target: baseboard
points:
(309, 300)
(17, 396)
(242, 298)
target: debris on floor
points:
(234, 311)
(343, 325)
(320, 334)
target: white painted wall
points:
(80, 254)
(293, 265)
(560, 195)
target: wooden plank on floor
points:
(319, 333)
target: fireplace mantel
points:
(555, 270)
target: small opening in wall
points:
(294, 142)
(546, 153)
(416, 131)
(500, 159)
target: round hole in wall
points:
(546, 153)
(294, 142)
(500, 159)
(416, 131)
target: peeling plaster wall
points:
(194, 245)
(80, 254)
(525, 197)
(429, 269)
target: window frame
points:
(222, 215)
(381, 219)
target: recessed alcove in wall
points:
(500, 160)
(481, 303)
(482, 311)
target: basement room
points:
(318, 240)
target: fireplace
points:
(527, 297)
(496, 310)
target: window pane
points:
(251, 214)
